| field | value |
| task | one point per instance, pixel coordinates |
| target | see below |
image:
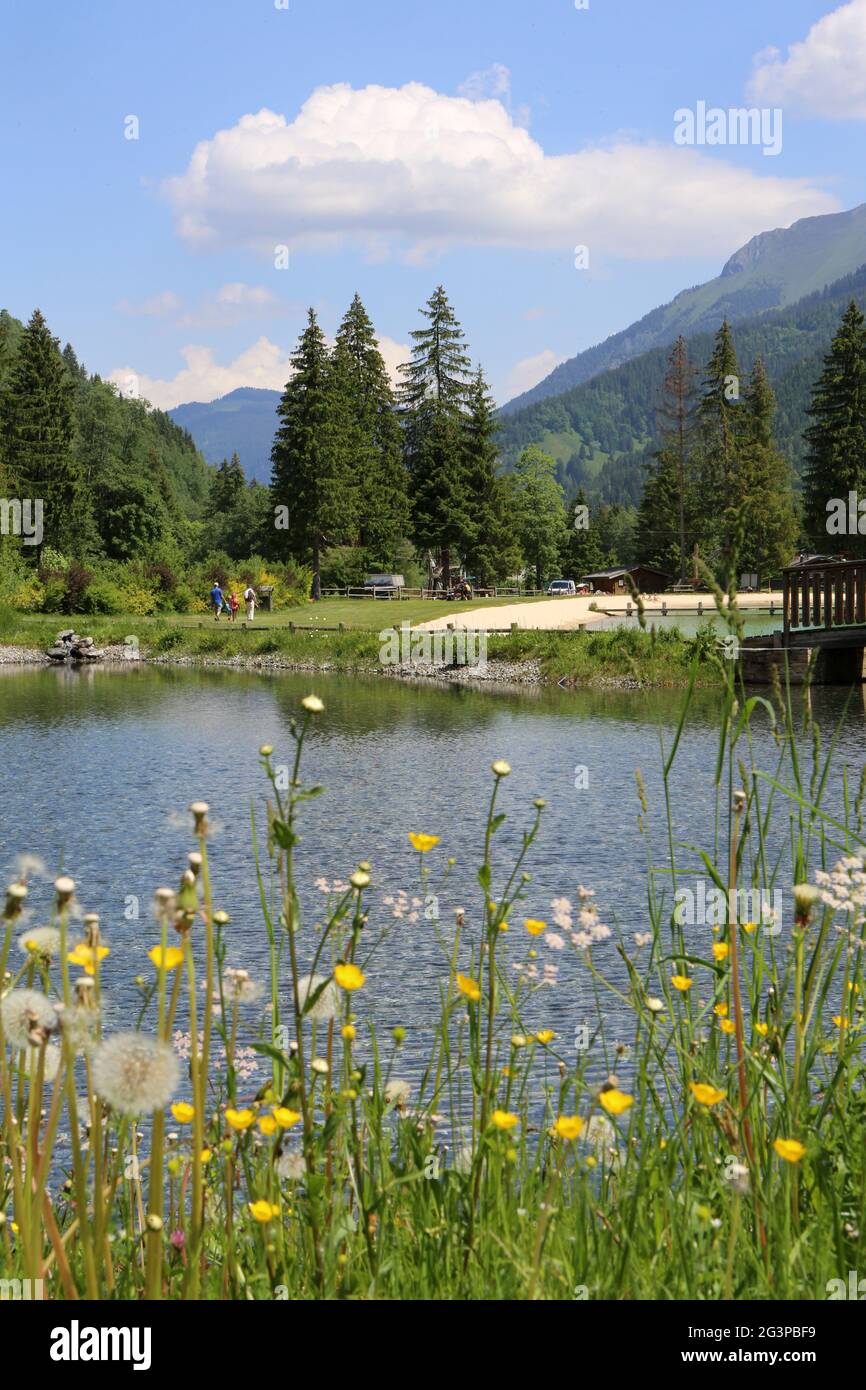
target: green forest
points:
(724, 450)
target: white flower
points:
(327, 1006)
(134, 1073)
(312, 704)
(291, 1166)
(22, 1011)
(320, 1066)
(397, 1092)
(240, 987)
(42, 941)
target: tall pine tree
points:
(310, 468)
(491, 552)
(836, 461)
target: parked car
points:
(385, 581)
(562, 588)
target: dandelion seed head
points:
(41, 941)
(134, 1073)
(327, 1006)
(22, 1011)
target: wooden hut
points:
(616, 581)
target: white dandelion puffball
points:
(41, 941)
(135, 1074)
(327, 1006)
(291, 1166)
(22, 1010)
(397, 1092)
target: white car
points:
(562, 588)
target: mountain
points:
(244, 421)
(773, 270)
(604, 431)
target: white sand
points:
(565, 614)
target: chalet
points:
(616, 581)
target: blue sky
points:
(392, 147)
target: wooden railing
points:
(824, 596)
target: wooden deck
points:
(824, 605)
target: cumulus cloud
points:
(235, 302)
(825, 74)
(410, 171)
(529, 371)
(494, 81)
(203, 378)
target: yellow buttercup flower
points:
(706, 1095)
(534, 926)
(681, 982)
(749, 927)
(720, 950)
(348, 976)
(205, 1155)
(791, 1150)
(615, 1102)
(263, 1211)
(349, 1032)
(762, 1029)
(423, 843)
(285, 1118)
(727, 1025)
(169, 961)
(267, 1125)
(239, 1119)
(721, 1010)
(569, 1126)
(503, 1119)
(87, 956)
(183, 1112)
(469, 987)
(545, 1036)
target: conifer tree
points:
(836, 461)
(433, 398)
(310, 474)
(378, 472)
(582, 552)
(227, 485)
(37, 423)
(719, 423)
(763, 513)
(541, 511)
(491, 552)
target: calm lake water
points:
(100, 766)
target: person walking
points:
(250, 601)
(233, 607)
(216, 598)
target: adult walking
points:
(216, 598)
(250, 601)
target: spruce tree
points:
(433, 397)
(836, 459)
(37, 422)
(541, 511)
(719, 423)
(763, 514)
(491, 552)
(581, 552)
(227, 485)
(310, 473)
(378, 472)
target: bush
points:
(103, 596)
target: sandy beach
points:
(566, 614)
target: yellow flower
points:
(721, 1010)
(534, 926)
(569, 1126)
(545, 1036)
(727, 1025)
(183, 1112)
(749, 927)
(348, 976)
(170, 961)
(503, 1119)
(263, 1211)
(268, 1125)
(762, 1029)
(839, 1021)
(720, 950)
(423, 843)
(705, 1095)
(205, 1155)
(789, 1149)
(615, 1102)
(469, 987)
(312, 704)
(681, 982)
(87, 956)
(239, 1119)
(349, 1032)
(284, 1117)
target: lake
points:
(100, 766)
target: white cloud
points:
(529, 371)
(494, 81)
(825, 73)
(158, 306)
(235, 302)
(410, 171)
(263, 364)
